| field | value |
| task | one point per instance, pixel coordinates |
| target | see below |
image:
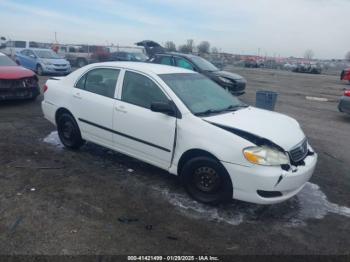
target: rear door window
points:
(101, 81)
(165, 60)
(184, 63)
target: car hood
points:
(56, 61)
(15, 72)
(280, 129)
(227, 75)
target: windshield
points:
(47, 54)
(201, 95)
(6, 61)
(204, 64)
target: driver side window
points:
(141, 91)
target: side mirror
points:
(165, 108)
(32, 56)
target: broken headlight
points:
(266, 156)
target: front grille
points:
(9, 84)
(60, 65)
(299, 152)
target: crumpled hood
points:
(228, 75)
(280, 129)
(15, 72)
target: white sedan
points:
(184, 123)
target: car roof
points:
(177, 54)
(38, 49)
(146, 67)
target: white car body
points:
(162, 140)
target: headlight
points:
(225, 80)
(47, 63)
(265, 156)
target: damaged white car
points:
(184, 123)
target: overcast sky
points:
(275, 27)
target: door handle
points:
(120, 109)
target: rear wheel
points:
(207, 181)
(68, 131)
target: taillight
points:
(45, 88)
(347, 93)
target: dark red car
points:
(16, 82)
(345, 75)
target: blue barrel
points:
(266, 100)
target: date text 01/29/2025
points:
(173, 258)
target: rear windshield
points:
(6, 61)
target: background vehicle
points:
(128, 56)
(182, 122)
(151, 47)
(344, 102)
(43, 61)
(2, 42)
(234, 83)
(345, 75)
(308, 68)
(81, 55)
(16, 82)
(11, 47)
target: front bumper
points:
(237, 88)
(344, 104)
(52, 69)
(247, 181)
(15, 90)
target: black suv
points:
(230, 81)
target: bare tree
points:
(190, 45)
(184, 49)
(170, 46)
(347, 56)
(214, 50)
(204, 47)
(309, 54)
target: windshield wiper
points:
(227, 109)
(207, 112)
(234, 107)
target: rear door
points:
(140, 132)
(92, 104)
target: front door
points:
(141, 132)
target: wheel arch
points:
(192, 153)
(60, 111)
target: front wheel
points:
(68, 131)
(207, 181)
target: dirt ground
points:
(94, 201)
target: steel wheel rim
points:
(206, 179)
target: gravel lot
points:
(94, 201)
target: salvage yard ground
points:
(94, 201)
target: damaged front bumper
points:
(18, 89)
(269, 184)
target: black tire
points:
(205, 186)
(81, 62)
(69, 132)
(39, 70)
